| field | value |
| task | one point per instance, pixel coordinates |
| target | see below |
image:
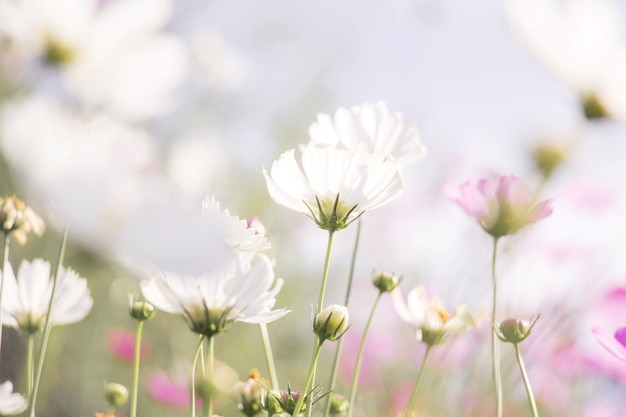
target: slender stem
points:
(30, 358)
(210, 364)
(4, 260)
(192, 383)
(309, 381)
(359, 357)
(333, 375)
(495, 342)
(320, 299)
(269, 356)
(529, 390)
(110, 411)
(420, 376)
(47, 325)
(133, 399)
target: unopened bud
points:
(115, 394)
(515, 330)
(547, 157)
(338, 405)
(331, 323)
(141, 310)
(385, 282)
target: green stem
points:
(309, 381)
(210, 364)
(269, 356)
(4, 260)
(30, 358)
(529, 390)
(133, 399)
(359, 357)
(420, 376)
(495, 342)
(333, 375)
(320, 299)
(192, 383)
(110, 411)
(47, 325)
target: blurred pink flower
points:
(501, 206)
(616, 345)
(167, 391)
(121, 344)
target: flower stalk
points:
(420, 375)
(137, 360)
(192, 382)
(529, 390)
(309, 379)
(269, 356)
(4, 260)
(495, 342)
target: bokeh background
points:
(111, 107)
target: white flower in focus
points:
(111, 54)
(239, 235)
(334, 186)
(212, 302)
(582, 43)
(11, 403)
(374, 124)
(431, 319)
(26, 299)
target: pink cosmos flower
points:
(171, 392)
(501, 206)
(616, 345)
(121, 344)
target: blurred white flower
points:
(195, 163)
(26, 299)
(431, 319)
(374, 124)
(112, 54)
(239, 235)
(334, 186)
(94, 173)
(582, 43)
(220, 65)
(11, 403)
(212, 302)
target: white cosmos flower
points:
(26, 299)
(239, 235)
(432, 321)
(11, 403)
(582, 43)
(374, 124)
(111, 54)
(334, 185)
(212, 302)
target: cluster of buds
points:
(331, 323)
(19, 220)
(277, 403)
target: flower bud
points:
(515, 330)
(331, 323)
(18, 219)
(593, 108)
(547, 157)
(115, 394)
(141, 310)
(385, 282)
(338, 405)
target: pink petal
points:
(169, 392)
(614, 346)
(121, 344)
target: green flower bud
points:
(593, 108)
(385, 282)
(339, 406)
(115, 394)
(547, 157)
(141, 310)
(331, 323)
(515, 330)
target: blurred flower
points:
(250, 394)
(433, 322)
(582, 43)
(173, 392)
(515, 330)
(501, 206)
(385, 282)
(121, 344)
(212, 302)
(11, 403)
(334, 186)
(115, 394)
(616, 345)
(239, 235)
(331, 323)
(19, 220)
(25, 300)
(548, 157)
(111, 54)
(220, 65)
(382, 131)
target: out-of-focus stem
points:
(495, 342)
(529, 391)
